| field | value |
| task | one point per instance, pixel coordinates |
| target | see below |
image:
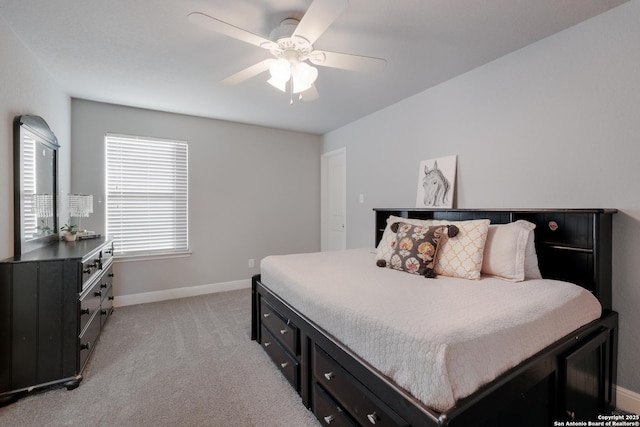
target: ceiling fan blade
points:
(346, 61)
(248, 72)
(310, 94)
(221, 27)
(318, 17)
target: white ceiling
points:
(144, 53)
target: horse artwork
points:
(436, 183)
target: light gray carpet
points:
(186, 362)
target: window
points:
(147, 195)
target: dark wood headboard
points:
(573, 245)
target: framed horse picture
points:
(436, 182)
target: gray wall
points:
(253, 192)
(556, 124)
(26, 88)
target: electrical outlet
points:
(252, 263)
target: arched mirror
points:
(35, 176)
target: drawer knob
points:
(85, 346)
(110, 274)
(265, 315)
(373, 417)
(284, 365)
(97, 294)
(267, 344)
(329, 376)
(85, 311)
(329, 419)
(103, 285)
(283, 331)
(87, 271)
(110, 298)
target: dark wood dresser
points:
(54, 301)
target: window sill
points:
(151, 257)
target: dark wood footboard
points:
(571, 379)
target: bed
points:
(365, 344)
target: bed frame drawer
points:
(285, 331)
(327, 410)
(283, 360)
(358, 402)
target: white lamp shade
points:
(304, 76)
(278, 84)
(280, 70)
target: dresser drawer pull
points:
(85, 311)
(329, 375)
(265, 315)
(373, 417)
(267, 344)
(110, 274)
(103, 285)
(329, 419)
(111, 298)
(87, 271)
(283, 331)
(85, 346)
(284, 365)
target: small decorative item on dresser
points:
(69, 232)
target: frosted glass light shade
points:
(280, 71)
(303, 76)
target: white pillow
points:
(509, 252)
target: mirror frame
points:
(39, 129)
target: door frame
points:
(324, 195)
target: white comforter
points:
(440, 339)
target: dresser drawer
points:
(354, 397)
(88, 340)
(106, 307)
(327, 410)
(283, 360)
(285, 331)
(89, 304)
(90, 267)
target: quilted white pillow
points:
(531, 268)
(506, 250)
(462, 256)
(459, 257)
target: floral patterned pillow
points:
(416, 247)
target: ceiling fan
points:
(291, 45)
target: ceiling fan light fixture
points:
(280, 70)
(303, 76)
(281, 85)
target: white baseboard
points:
(627, 400)
(191, 291)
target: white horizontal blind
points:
(147, 195)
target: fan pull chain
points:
(291, 93)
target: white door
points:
(334, 200)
